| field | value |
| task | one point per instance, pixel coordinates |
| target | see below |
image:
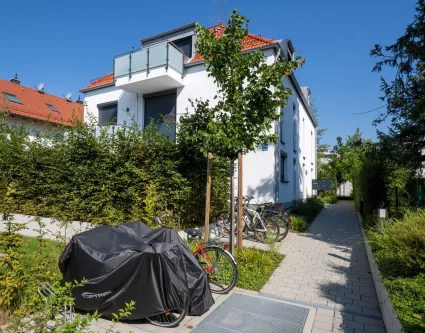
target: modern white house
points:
(37, 110)
(159, 78)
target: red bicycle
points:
(216, 261)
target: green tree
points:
(404, 94)
(250, 93)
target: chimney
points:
(15, 79)
(306, 92)
(79, 101)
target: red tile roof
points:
(34, 104)
(249, 42)
(104, 80)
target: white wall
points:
(33, 126)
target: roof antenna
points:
(68, 96)
(40, 88)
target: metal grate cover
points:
(250, 314)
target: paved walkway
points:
(327, 268)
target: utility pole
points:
(208, 198)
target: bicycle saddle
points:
(193, 232)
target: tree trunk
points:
(208, 198)
(232, 207)
(240, 194)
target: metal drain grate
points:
(250, 314)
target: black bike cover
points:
(131, 261)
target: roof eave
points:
(193, 24)
(84, 90)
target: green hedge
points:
(108, 179)
(304, 213)
(399, 250)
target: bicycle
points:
(277, 212)
(219, 265)
(253, 222)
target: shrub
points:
(308, 208)
(298, 223)
(401, 242)
(329, 197)
(344, 197)
(255, 267)
(408, 298)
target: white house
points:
(160, 77)
(35, 109)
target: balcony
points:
(150, 69)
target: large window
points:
(161, 109)
(185, 45)
(283, 158)
(108, 114)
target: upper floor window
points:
(295, 134)
(108, 114)
(282, 135)
(185, 45)
(283, 158)
(12, 98)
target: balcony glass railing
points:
(164, 54)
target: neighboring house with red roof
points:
(37, 110)
(159, 78)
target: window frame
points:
(52, 108)
(283, 167)
(282, 134)
(190, 45)
(16, 101)
(104, 106)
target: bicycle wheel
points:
(273, 229)
(284, 227)
(169, 318)
(220, 268)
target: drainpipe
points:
(137, 109)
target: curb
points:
(389, 316)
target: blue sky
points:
(65, 44)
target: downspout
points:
(276, 153)
(137, 109)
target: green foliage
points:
(344, 197)
(255, 267)
(108, 179)
(398, 249)
(405, 93)
(328, 197)
(401, 242)
(250, 93)
(408, 298)
(298, 223)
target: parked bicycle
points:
(216, 261)
(278, 213)
(255, 223)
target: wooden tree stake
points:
(208, 198)
(240, 194)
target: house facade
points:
(37, 110)
(159, 79)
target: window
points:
(283, 157)
(294, 107)
(12, 98)
(185, 45)
(161, 108)
(282, 136)
(108, 114)
(295, 134)
(51, 107)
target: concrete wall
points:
(345, 189)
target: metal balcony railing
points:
(164, 54)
